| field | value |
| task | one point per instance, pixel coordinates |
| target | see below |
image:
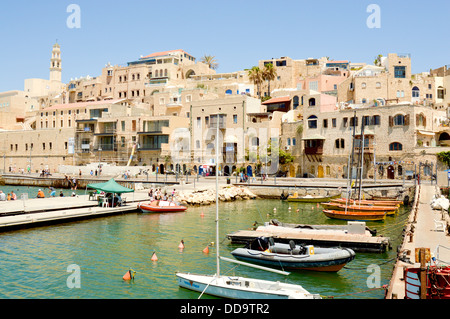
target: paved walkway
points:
(421, 232)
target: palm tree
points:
(256, 76)
(210, 61)
(269, 74)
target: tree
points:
(444, 157)
(377, 61)
(256, 76)
(269, 74)
(210, 61)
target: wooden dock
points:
(324, 238)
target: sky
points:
(237, 33)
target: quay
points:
(426, 228)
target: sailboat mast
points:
(352, 158)
(362, 160)
(217, 199)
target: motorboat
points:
(161, 206)
(266, 252)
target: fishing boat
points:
(390, 210)
(366, 202)
(355, 216)
(161, 206)
(310, 198)
(239, 287)
(266, 252)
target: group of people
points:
(45, 173)
(52, 193)
(158, 195)
(8, 196)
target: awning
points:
(426, 133)
(111, 187)
(231, 139)
(366, 132)
(314, 137)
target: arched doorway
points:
(390, 172)
(161, 169)
(189, 74)
(320, 171)
(444, 139)
(226, 170)
(292, 171)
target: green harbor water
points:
(35, 262)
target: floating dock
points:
(38, 212)
(360, 242)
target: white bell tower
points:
(55, 64)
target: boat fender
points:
(129, 275)
(311, 250)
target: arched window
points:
(312, 102)
(156, 73)
(295, 102)
(415, 92)
(340, 143)
(312, 121)
(165, 72)
(395, 146)
(399, 119)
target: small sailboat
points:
(238, 287)
(366, 202)
(390, 210)
(266, 252)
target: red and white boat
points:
(161, 206)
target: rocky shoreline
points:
(203, 197)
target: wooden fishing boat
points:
(266, 252)
(355, 215)
(161, 206)
(390, 210)
(310, 198)
(366, 202)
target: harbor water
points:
(87, 259)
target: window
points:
(395, 146)
(333, 122)
(376, 120)
(399, 120)
(199, 122)
(345, 122)
(296, 102)
(340, 143)
(314, 85)
(294, 141)
(312, 102)
(235, 119)
(363, 85)
(378, 85)
(312, 122)
(43, 146)
(289, 141)
(400, 72)
(353, 121)
(325, 123)
(123, 125)
(415, 92)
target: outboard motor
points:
(260, 243)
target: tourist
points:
(2, 196)
(92, 173)
(52, 191)
(73, 194)
(8, 197)
(61, 194)
(13, 196)
(150, 194)
(40, 194)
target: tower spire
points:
(55, 63)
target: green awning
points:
(111, 187)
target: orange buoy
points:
(181, 245)
(206, 250)
(129, 275)
(154, 257)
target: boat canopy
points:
(111, 187)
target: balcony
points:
(318, 150)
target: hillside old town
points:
(296, 118)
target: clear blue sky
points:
(238, 33)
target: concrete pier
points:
(426, 228)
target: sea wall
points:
(205, 196)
